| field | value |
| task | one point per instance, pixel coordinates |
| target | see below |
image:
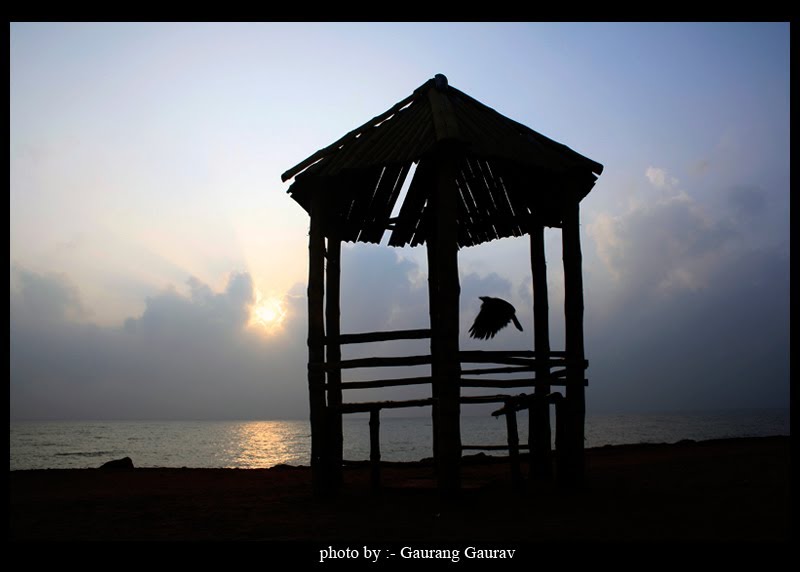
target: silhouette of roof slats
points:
(410, 215)
(506, 173)
(383, 203)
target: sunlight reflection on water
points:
(266, 444)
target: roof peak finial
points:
(440, 80)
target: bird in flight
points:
(495, 315)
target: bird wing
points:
(488, 322)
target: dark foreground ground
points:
(722, 490)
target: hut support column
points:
(334, 355)
(539, 408)
(433, 292)
(513, 442)
(375, 448)
(316, 347)
(573, 313)
(445, 349)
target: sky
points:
(158, 268)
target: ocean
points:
(261, 444)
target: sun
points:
(267, 314)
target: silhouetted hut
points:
(480, 176)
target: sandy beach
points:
(721, 490)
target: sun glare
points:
(267, 314)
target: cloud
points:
(45, 296)
(696, 312)
(661, 244)
(381, 290)
(660, 179)
(473, 286)
(187, 356)
(724, 347)
(171, 314)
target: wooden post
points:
(513, 442)
(448, 372)
(573, 314)
(334, 355)
(538, 409)
(375, 447)
(433, 309)
(558, 401)
(316, 346)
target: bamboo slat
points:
(488, 370)
(489, 447)
(412, 207)
(509, 383)
(486, 355)
(370, 405)
(386, 382)
(377, 362)
(378, 223)
(367, 337)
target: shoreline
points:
(718, 490)
(478, 457)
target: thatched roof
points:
(508, 174)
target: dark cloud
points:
(721, 347)
(45, 296)
(379, 291)
(186, 357)
(525, 290)
(170, 315)
(662, 247)
(669, 242)
(696, 316)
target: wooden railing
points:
(539, 370)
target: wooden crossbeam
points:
(386, 382)
(489, 447)
(376, 362)
(377, 405)
(367, 337)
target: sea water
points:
(258, 444)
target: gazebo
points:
(479, 176)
